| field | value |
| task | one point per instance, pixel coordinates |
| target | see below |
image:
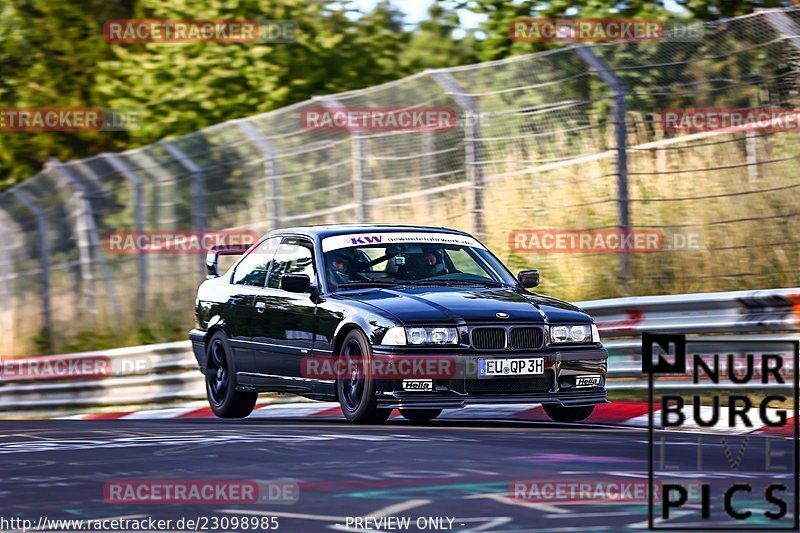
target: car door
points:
(247, 282)
(287, 319)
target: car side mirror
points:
(295, 282)
(528, 278)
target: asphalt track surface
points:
(460, 470)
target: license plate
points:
(526, 366)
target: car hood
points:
(458, 305)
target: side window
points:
(291, 258)
(252, 270)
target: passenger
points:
(424, 265)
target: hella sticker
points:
(587, 381)
(418, 384)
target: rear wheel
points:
(356, 389)
(420, 415)
(559, 413)
(224, 399)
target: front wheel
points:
(559, 413)
(356, 389)
(224, 399)
(420, 415)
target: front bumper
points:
(555, 386)
(435, 400)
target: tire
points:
(420, 415)
(356, 392)
(559, 413)
(224, 399)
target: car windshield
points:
(413, 263)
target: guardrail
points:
(155, 373)
(764, 311)
(716, 312)
(167, 373)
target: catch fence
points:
(567, 139)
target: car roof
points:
(330, 230)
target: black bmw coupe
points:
(379, 317)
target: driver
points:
(339, 269)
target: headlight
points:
(432, 335)
(595, 334)
(399, 336)
(395, 337)
(578, 333)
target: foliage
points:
(53, 54)
(49, 52)
(434, 44)
(497, 14)
(183, 88)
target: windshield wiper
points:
(451, 282)
(357, 284)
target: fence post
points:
(118, 163)
(784, 25)
(163, 212)
(88, 238)
(428, 145)
(358, 154)
(198, 191)
(271, 171)
(44, 261)
(6, 280)
(78, 207)
(621, 136)
(473, 146)
(751, 151)
(789, 30)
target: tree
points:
(715, 9)
(53, 54)
(434, 44)
(182, 88)
(49, 50)
(498, 13)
